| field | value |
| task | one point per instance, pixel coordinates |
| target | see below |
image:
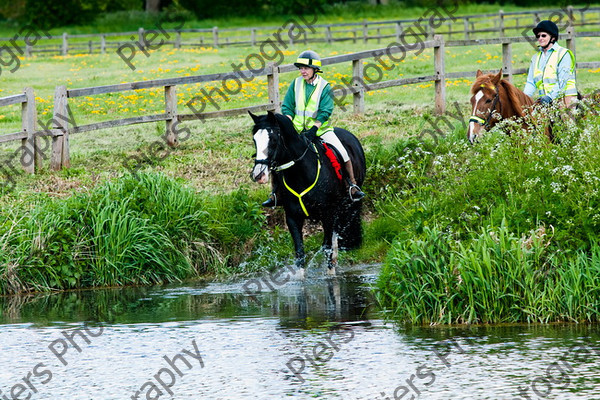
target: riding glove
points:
(311, 134)
(545, 100)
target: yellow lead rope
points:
(299, 196)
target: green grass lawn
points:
(217, 154)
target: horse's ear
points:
(497, 77)
(479, 73)
(254, 117)
(271, 117)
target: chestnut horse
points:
(492, 95)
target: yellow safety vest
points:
(305, 114)
(546, 79)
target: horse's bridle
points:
(271, 163)
(486, 122)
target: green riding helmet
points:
(309, 59)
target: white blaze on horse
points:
(310, 185)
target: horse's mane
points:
(517, 98)
(285, 122)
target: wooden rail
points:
(356, 88)
(498, 24)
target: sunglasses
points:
(541, 35)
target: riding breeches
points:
(331, 138)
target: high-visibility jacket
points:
(306, 112)
(546, 79)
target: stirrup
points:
(271, 201)
(358, 195)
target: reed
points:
(496, 277)
(127, 231)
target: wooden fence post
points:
(90, 47)
(102, 44)
(215, 33)
(60, 141)
(273, 87)
(29, 159)
(507, 69)
(328, 34)
(365, 32)
(571, 39)
(398, 31)
(253, 36)
(570, 15)
(171, 111)
(466, 27)
(501, 23)
(177, 43)
(359, 96)
(440, 80)
(65, 44)
(141, 41)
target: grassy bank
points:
(503, 231)
(126, 231)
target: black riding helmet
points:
(309, 58)
(548, 27)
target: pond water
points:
(317, 338)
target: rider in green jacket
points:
(309, 104)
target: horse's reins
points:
(486, 122)
(277, 168)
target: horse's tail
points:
(348, 226)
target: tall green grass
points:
(505, 230)
(126, 231)
(494, 277)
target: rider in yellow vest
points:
(309, 104)
(552, 71)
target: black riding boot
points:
(272, 200)
(353, 190)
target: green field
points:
(64, 229)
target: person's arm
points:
(530, 88)
(566, 78)
(325, 107)
(288, 107)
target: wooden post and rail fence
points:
(498, 24)
(30, 135)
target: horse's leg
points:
(295, 225)
(330, 252)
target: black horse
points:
(308, 183)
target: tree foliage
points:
(210, 9)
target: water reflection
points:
(299, 304)
(261, 346)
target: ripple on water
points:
(263, 348)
